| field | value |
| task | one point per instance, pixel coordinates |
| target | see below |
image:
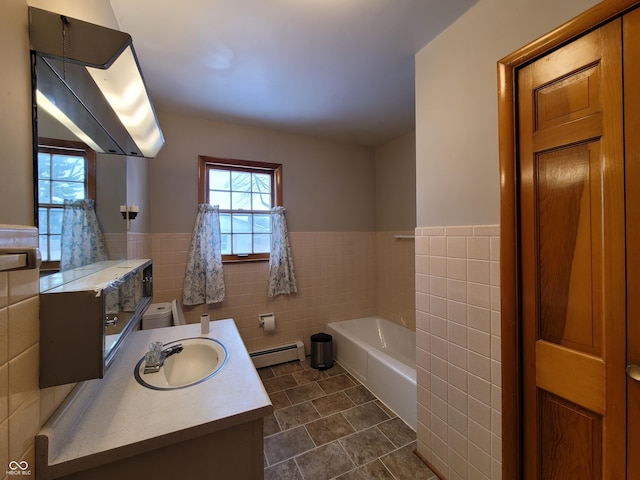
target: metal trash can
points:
(321, 351)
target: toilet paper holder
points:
(264, 316)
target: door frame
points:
(509, 217)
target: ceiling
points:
(338, 69)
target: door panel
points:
(631, 28)
(572, 260)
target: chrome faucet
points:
(155, 357)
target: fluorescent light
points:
(55, 112)
(124, 89)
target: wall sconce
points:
(129, 213)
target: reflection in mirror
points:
(71, 61)
(86, 313)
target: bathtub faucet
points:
(155, 357)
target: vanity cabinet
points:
(85, 315)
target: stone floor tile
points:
(287, 444)
(335, 370)
(328, 429)
(386, 409)
(270, 425)
(279, 383)
(284, 368)
(307, 376)
(360, 394)
(333, 403)
(287, 470)
(405, 465)
(265, 373)
(324, 462)
(371, 471)
(398, 432)
(279, 400)
(365, 415)
(304, 393)
(364, 447)
(296, 415)
(335, 384)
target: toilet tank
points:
(158, 315)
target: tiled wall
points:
(129, 245)
(337, 275)
(458, 350)
(23, 406)
(395, 255)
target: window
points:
(245, 191)
(66, 170)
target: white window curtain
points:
(204, 277)
(81, 241)
(282, 277)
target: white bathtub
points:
(382, 355)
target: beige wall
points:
(16, 171)
(459, 420)
(396, 184)
(343, 267)
(456, 106)
(328, 186)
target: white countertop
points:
(116, 417)
(94, 276)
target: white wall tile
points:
(479, 342)
(479, 295)
(458, 399)
(438, 246)
(457, 268)
(480, 436)
(480, 460)
(479, 318)
(480, 366)
(458, 231)
(457, 247)
(463, 351)
(438, 286)
(457, 290)
(479, 248)
(438, 266)
(459, 421)
(457, 312)
(438, 306)
(479, 271)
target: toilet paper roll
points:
(269, 323)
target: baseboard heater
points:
(276, 355)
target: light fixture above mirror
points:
(88, 77)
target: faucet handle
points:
(153, 358)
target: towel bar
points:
(19, 258)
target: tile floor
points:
(326, 425)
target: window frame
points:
(58, 146)
(274, 169)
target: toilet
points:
(158, 315)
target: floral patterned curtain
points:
(282, 277)
(81, 241)
(204, 277)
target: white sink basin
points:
(199, 360)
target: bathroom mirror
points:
(79, 73)
(70, 59)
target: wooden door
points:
(631, 28)
(572, 260)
